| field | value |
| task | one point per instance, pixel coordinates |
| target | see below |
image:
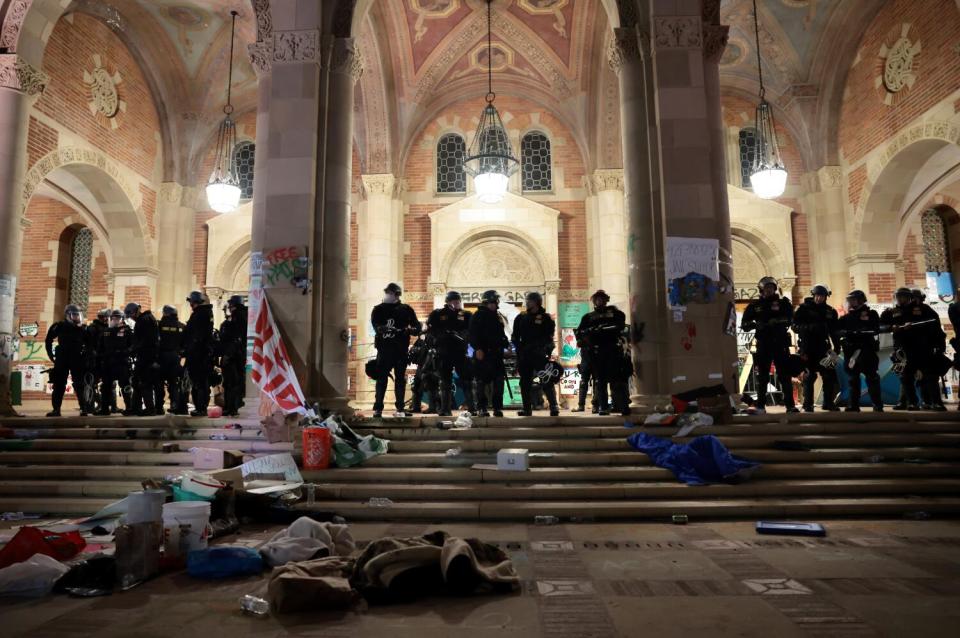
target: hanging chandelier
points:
(223, 188)
(768, 176)
(490, 160)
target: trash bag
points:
(35, 576)
(95, 576)
(702, 461)
(224, 562)
(33, 540)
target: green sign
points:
(571, 312)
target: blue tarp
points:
(702, 461)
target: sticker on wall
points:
(692, 269)
(29, 329)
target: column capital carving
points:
(607, 179)
(715, 37)
(21, 76)
(677, 32)
(261, 56)
(625, 47)
(296, 46)
(552, 286)
(437, 288)
(379, 184)
(830, 177)
(170, 193)
(346, 58)
(264, 20)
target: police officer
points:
(600, 331)
(450, 326)
(586, 375)
(770, 316)
(533, 332)
(427, 378)
(198, 350)
(858, 337)
(233, 355)
(918, 338)
(68, 358)
(488, 338)
(393, 322)
(114, 351)
(93, 366)
(146, 339)
(816, 323)
(170, 375)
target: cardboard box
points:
(718, 407)
(513, 460)
(232, 458)
(207, 458)
(232, 477)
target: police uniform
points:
(171, 372)
(68, 360)
(487, 334)
(771, 317)
(114, 352)
(424, 355)
(816, 326)
(146, 339)
(920, 345)
(93, 366)
(858, 333)
(198, 349)
(233, 358)
(532, 337)
(599, 331)
(451, 329)
(393, 324)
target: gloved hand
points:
(830, 361)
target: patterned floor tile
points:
(777, 587)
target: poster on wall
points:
(693, 270)
(569, 349)
(32, 378)
(570, 312)
(570, 382)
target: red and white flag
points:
(272, 370)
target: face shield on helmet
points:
(533, 301)
(454, 300)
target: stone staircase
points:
(849, 465)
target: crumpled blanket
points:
(306, 539)
(393, 570)
(702, 461)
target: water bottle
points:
(545, 520)
(379, 502)
(311, 493)
(254, 605)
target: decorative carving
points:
(533, 52)
(677, 32)
(296, 46)
(748, 266)
(715, 38)
(548, 7)
(436, 289)
(433, 10)
(496, 263)
(898, 64)
(17, 74)
(76, 155)
(375, 122)
(623, 48)
(103, 91)
(264, 20)
(830, 177)
(261, 56)
(346, 58)
(171, 193)
(382, 184)
(607, 179)
(13, 21)
(552, 287)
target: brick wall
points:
(200, 235)
(140, 295)
(912, 263)
(70, 50)
(41, 140)
(936, 25)
(801, 253)
(880, 286)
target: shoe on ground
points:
(498, 413)
(554, 412)
(627, 413)
(579, 409)
(603, 412)
(857, 409)
(524, 413)
(483, 413)
(901, 406)
(831, 408)
(878, 408)
(103, 413)
(759, 410)
(794, 410)
(378, 414)
(806, 408)
(913, 408)
(198, 413)
(939, 407)
(53, 413)
(130, 413)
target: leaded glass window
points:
(535, 156)
(81, 255)
(243, 156)
(451, 177)
(934, 234)
(748, 154)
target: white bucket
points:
(186, 527)
(145, 506)
(199, 484)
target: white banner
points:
(272, 371)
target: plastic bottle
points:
(546, 520)
(379, 502)
(311, 493)
(254, 605)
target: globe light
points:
(491, 187)
(769, 183)
(223, 197)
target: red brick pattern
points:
(801, 252)
(856, 180)
(936, 25)
(149, 207)
(138, 294)
(572, 245)
(880, 286)
(66, 99)
(41, 140)
(911, 261)
(200, 236)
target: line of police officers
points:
(451, 331)
(149, 358)
(919, 346)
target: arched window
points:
(243, 155)
(81, 256)
(451, 177)
(933, 231)
(748, 153)
(535, 156)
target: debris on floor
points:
(702, 461)
(790, 529)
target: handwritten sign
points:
(571, 312)
(687, 255)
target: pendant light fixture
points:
(223, 188)
(768, 176)
(490, 160)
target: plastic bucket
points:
(186, 527)
(145, 506)
(317, 444)
(200, 484)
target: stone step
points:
(138, 445)
(251, 433)
(98, 489)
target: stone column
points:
(261, 54)
(611, 229)
(19, 83)
(332, 228)
(630, 58)
(175, 213)
(823, 205)
(875, 274)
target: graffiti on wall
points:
(280, 267)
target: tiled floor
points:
(867, 578)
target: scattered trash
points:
(233, 426)
(138, 552)
(454, 451)
(200, 484)
(317, 448)
(214, 412)
(307, 539)
(876, 458)
(680, 519)
(691, 421)
(34, 576)
(29, 541)
(170, 447)
(917, 461)
(27, 435)
(659, 418)
(702, 461)
(379, 502)
(545, 520)
(349, 448)
(790, 529)
(224, 562)
(12, 516)
(582, 519)
(464, 420)
(311, 493)
(916, 516)
(186, 527)
(218, 437)
(254, 605)
(513, 459)
(95, 576)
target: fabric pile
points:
(702, 461)
(349, 448)
(306, 539)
